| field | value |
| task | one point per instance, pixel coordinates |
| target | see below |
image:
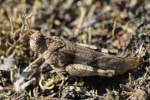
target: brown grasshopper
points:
(65, 56)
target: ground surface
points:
(118, 27)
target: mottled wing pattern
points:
(119, 64)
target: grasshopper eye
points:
(36, 40)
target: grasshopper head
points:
(37, 42)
